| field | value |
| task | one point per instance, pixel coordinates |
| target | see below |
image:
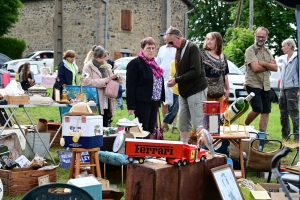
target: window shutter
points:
(126, 20)
(117, 55)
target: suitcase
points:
(158, 180)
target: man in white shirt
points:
(164, 58)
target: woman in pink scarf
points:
(144, 82)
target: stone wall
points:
(84, 24)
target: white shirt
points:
(164, 58)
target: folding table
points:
(13, 108)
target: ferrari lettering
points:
(153, 150)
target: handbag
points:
(157, 132)
(215, 87)
(112, 89)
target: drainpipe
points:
(186, 21)
(106, 23)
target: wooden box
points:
(158, 180)
(211, 107)
(20, 180)
(17, 100)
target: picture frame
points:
(43, 180)
(226, 182)
(57, 95)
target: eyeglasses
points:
(261, 37)
(150, 48)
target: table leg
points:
(38, 133)
(241, 158)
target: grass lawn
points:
(274, 132)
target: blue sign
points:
(65, 158)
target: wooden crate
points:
(17, 100)
(158, 180)
(20, 180)
(52, 128)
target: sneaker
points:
(174, 129)
(166, 128)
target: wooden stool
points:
(94, 162)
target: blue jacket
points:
(65, 74)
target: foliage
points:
(237, 41)
(9, 14)
(273, 16)
(208, 16)
(12, 47)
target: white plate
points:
(127, 124)
(118, 142)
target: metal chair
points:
(50, 192)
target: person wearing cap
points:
(164, 58)
(191, 80)
(144, 85)
(99, 74)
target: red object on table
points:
(211, 107)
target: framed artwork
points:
(226, 182)
(57, 95)
(43, 180)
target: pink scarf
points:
(157, 70)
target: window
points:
(126, 23)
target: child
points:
(119, 98)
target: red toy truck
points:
(175, 152)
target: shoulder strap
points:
(254, 49)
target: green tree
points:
(9, 14)
(237, 41)
(277, 19)
(208, 16)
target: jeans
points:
(288, 105)
(120, 103)
(172, 110)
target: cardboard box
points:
(89, 184)
(89, 128)
(281, 196)
(211, 107)
(17, 100)
(52, 129)
(258, 194)
(270, 187)
(212, 123)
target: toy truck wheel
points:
(184, 162)
(203, 158)
(179, 163)
(130, 159)
(141, 160)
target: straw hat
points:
(79, 109)
(137, 132)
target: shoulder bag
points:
(216, 85)
(112, 89)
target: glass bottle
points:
(236, 109)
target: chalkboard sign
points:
(65, 158)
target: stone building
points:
(85, 24)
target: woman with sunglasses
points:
(144, 85)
